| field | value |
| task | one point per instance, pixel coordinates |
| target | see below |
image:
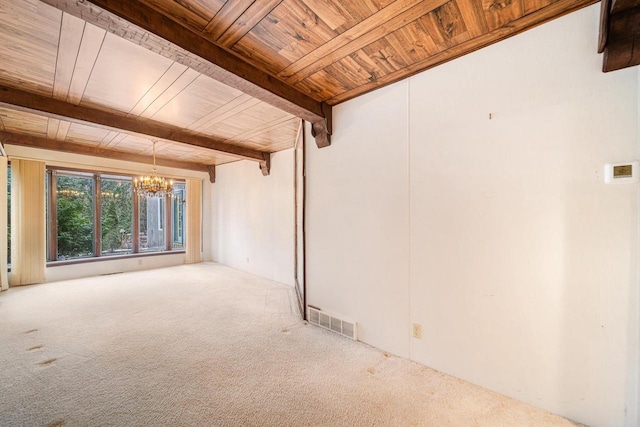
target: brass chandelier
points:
(153, 185)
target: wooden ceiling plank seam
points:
(267, 138)
(168, 78)
(108, 138)
(66, 54)
(357, 12)
(554, 10)
(376, 5)
(160, 146)
(253, 48)
(83, 133)
(499, 13)
(367, 63)
(122, 74)
(273, 32)
(52, 128)
(24, 121)
(333, 14)
(350, 72)
(40, 105)
(225, 17)
(400, 44)
(247, 135)
(145, 26)
(63, 130)
(378, 32)
(181, 83)
(448, 22)
(124, 139)
(72, 147)
(90, 46)
(245, 23)
(384, 55)
(118, 139)
(297, 31)
(235, 102)
(421, 37)
(223, 115)
(473, 17)
(29, 38)
(323, 84)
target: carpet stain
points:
(371, 371)
(30, 331)
(57, 423)
(35, 347)
(47, 362)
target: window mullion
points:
(97, 215)
(168, 223)
(53, 215)
(136, 223)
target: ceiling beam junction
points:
(143, 25)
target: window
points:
(75, 214)
(152, 237)
(177, 214)
(116, 215)
(91, 214)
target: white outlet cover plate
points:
(635, 173)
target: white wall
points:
(497, 235)
(252, 225)
(358, 218)
(110, 266)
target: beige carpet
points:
(206, 345)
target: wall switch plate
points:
(622, 173)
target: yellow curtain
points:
(4, 284)
(28, 228)
(194, 221)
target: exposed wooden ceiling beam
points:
(49, 107)
(9, 138)
(619, 34)
(143, 25)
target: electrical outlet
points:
(417, 331)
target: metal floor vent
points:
(333, 323)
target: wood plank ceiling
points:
(325, 51)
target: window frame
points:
(98, 175)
